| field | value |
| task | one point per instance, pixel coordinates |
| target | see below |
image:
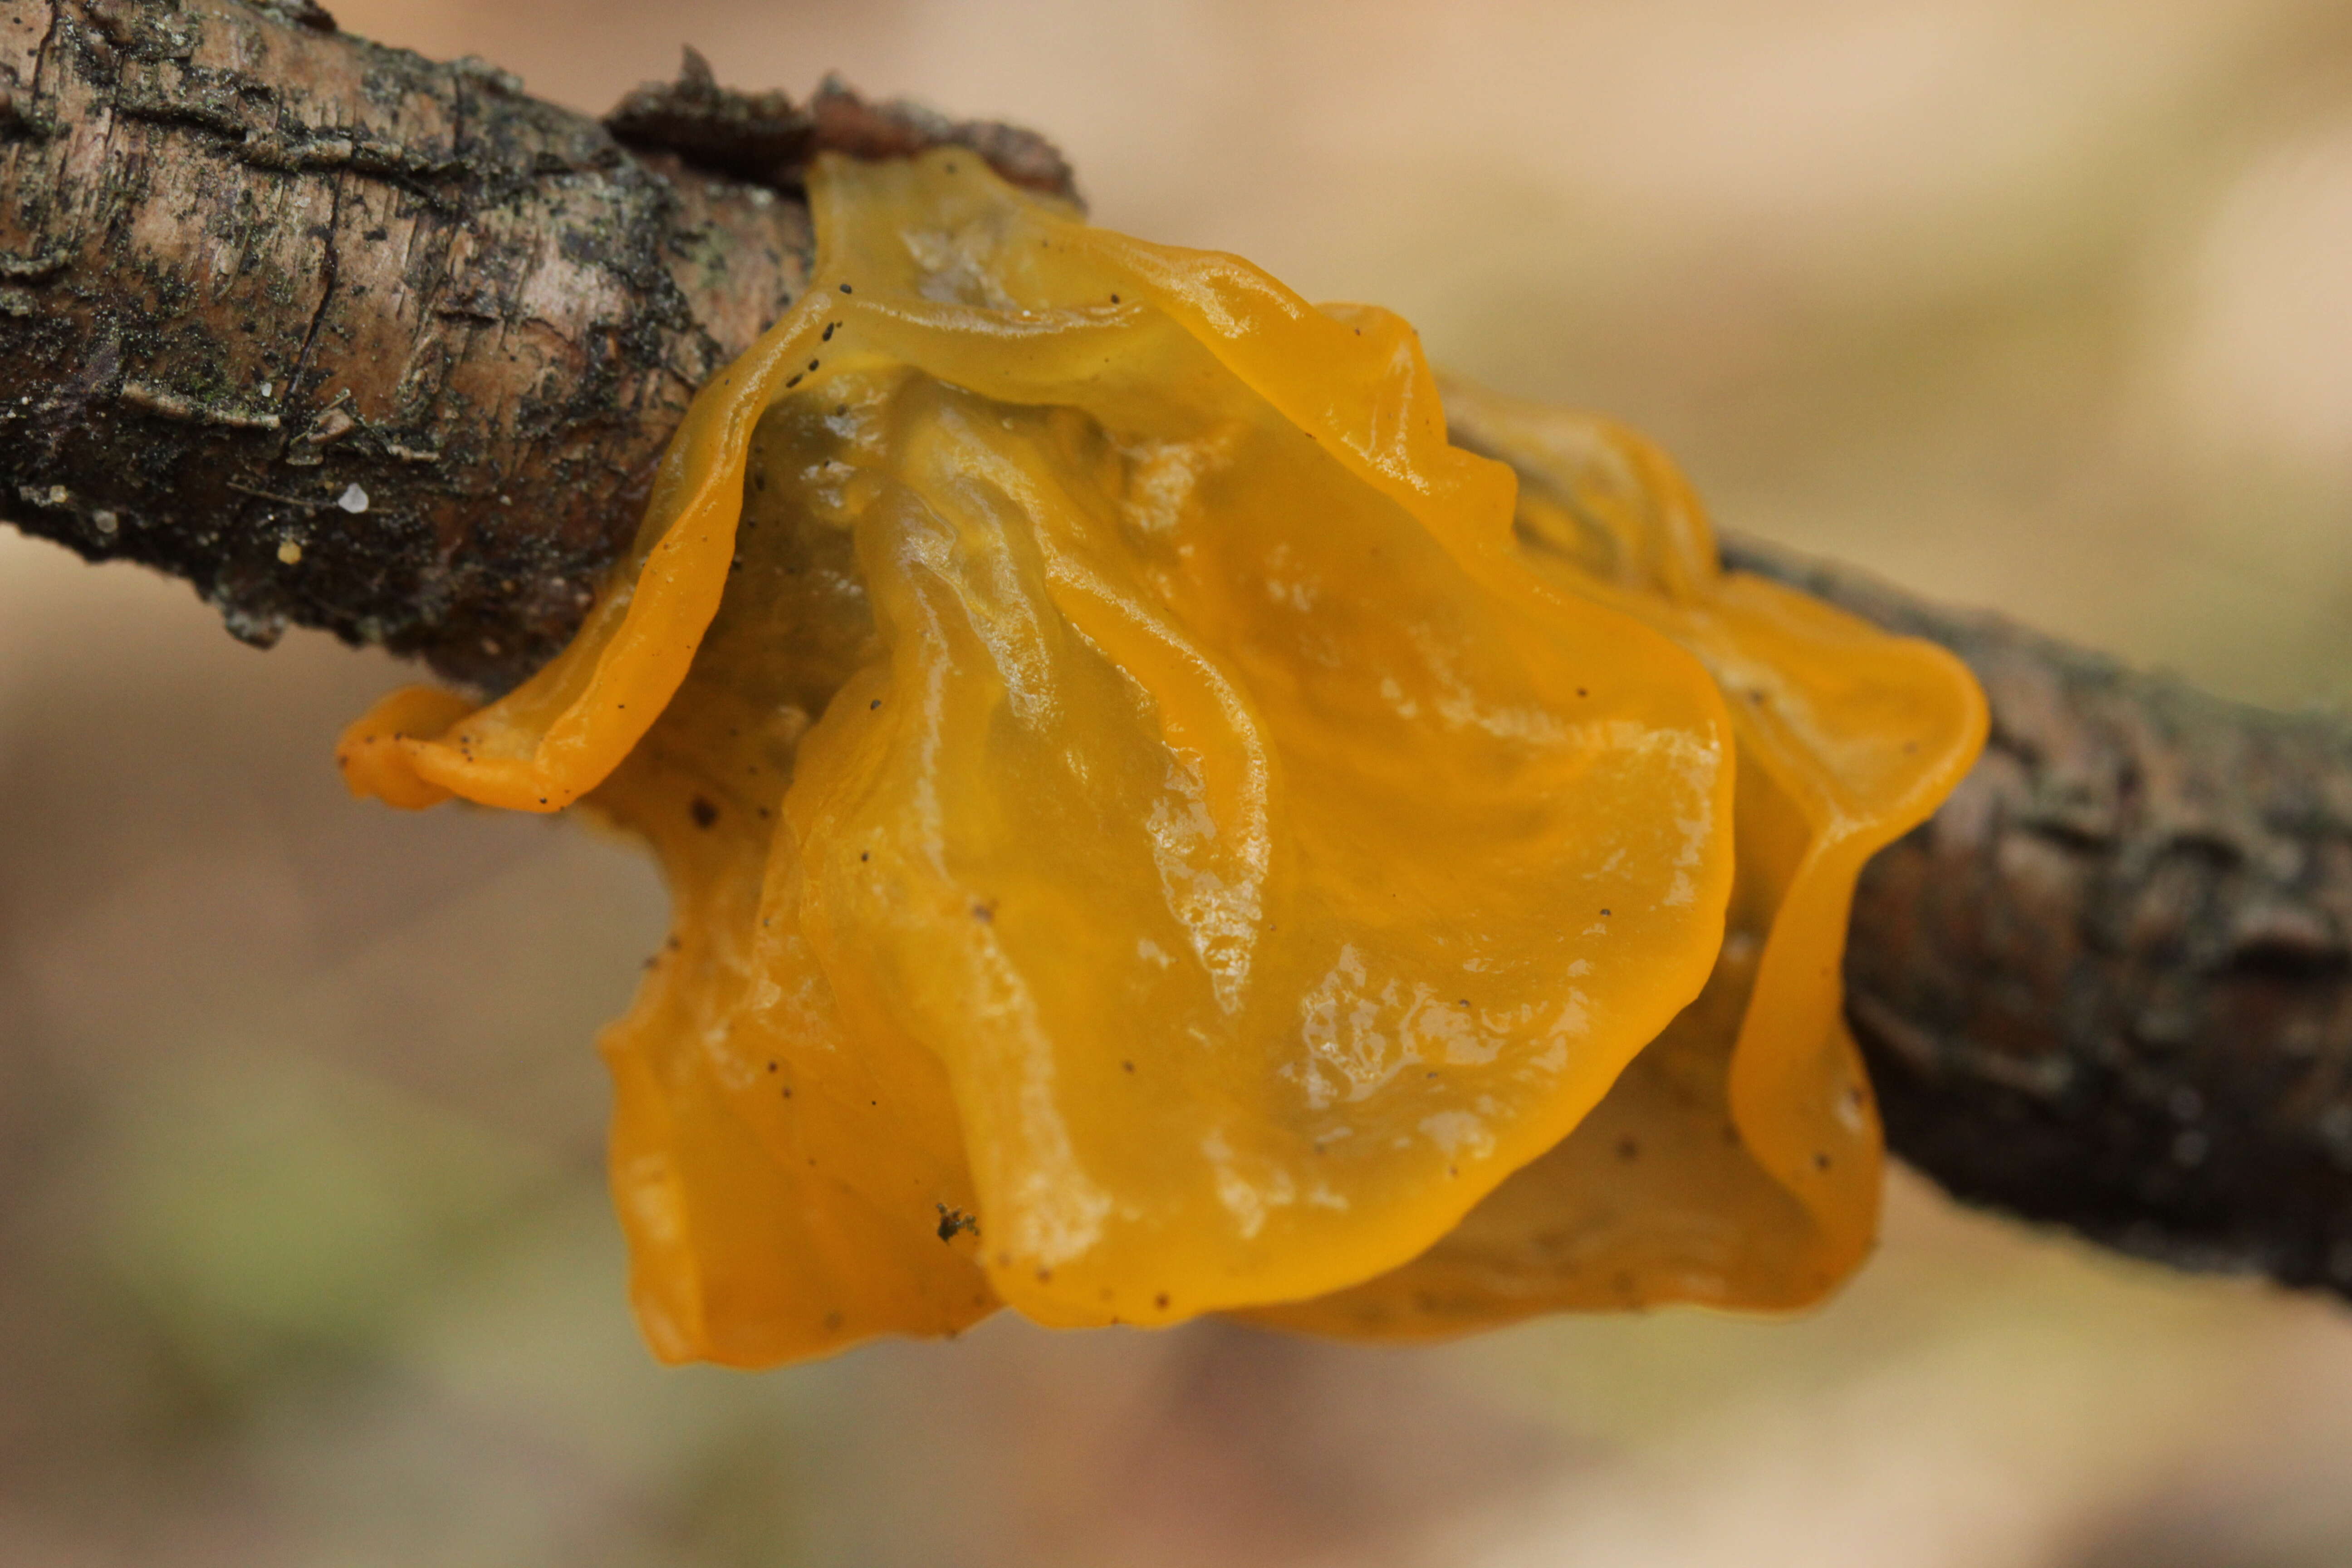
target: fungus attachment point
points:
(1129, 783)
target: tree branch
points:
(354, 340)
(2108, 984)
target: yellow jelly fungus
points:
(1736, 1161)
(1155, 828)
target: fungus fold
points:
(1156, 828)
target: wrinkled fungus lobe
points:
(1156, 828)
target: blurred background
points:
(2036, 304)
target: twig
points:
(2108, 986)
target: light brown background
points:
(304, 1257)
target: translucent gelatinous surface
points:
(1737, 1162)
(1151, 831)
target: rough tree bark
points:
(354, 340)
(2108, 984)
